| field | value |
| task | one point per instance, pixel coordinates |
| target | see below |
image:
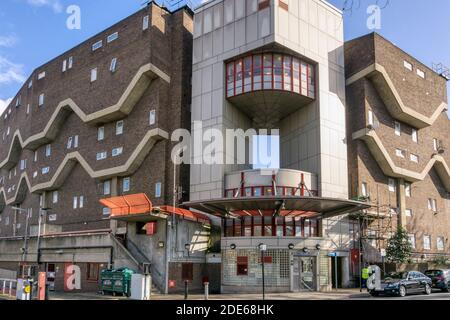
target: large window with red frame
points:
(270, 71)
(259, 226)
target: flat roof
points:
(322, 207)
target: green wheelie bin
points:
(116, 281)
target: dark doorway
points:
(339, 271)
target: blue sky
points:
(34, 31)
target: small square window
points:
(117, 152)
(97, 45)
(55, 196)
(94, 75)
(408, 212)
(414, 158)
(119, 127)
(106, 211)
(113, 65)
(41, 75)
(152, 117)
(107, 188)
(113, 37)
(421, 73)
(145, 22)
(158, 190)
(102, 155)
(45, 170)
(126, 185)
(408, 65)
(101, 133)
(400, 153)
(398, 128)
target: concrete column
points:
(401, 203)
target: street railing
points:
(8, 287)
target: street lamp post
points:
(263, 248)
(25, 238)
(42, 211)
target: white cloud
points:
(54, 4)
(8, 41)
(11, 72)
(4, 104)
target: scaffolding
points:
(442, 70)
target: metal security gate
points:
(304, 274)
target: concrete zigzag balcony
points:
(392, 99)
(383, 159)
(140, 82)
(268, 87)
(71, 159)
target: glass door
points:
(307, 277)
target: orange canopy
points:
(139, 204)
(185, 214)
(128, 205)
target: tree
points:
(399, 249)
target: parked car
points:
(403, 283)
(440, 279)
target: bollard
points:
(10, 289)
(186, 290)
(206, 290)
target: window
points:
(152, 117)
(436, 144)
(432, 205)
(392, 186)
(119, 127)
(145, 22)
(101, 133)
(52, 217)
(364, 190)
(70, 64)
(102, 155)
(400, 153)
(113, 65)
(41, 75)
(106, 211)
(41, 100)
(427, 242)
(158, 190)
(55, 196)
(412, 240)
(18, 101)
(81, 202)
(94, 75)
(242, 266)
(408, 65)
(30, 84)
(415, 135)
(421, 73)
(48, 150)
(45, 170)
(414, 158)
(75, 141)
(113, 37)
(408, 212)
(92, 271)
(370, 116)
(408, 189)
(398, 128)
(23, 164)
(117, 152)
(97, 45)
(126, 185)
(28, 108)
(107, 187)
(64, 66)
(75, 202)
(35, 159)
(440, 243)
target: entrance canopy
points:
(139, 208)
(288, 206)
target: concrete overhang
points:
(309, 206)
(392, 99)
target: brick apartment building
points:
(398, 134)
(85, 148)
(93, 124)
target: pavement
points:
(342, 294)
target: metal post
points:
(336, 271)
(10, 288)
(25, 244)
(360, 255)
(4, 286)
(206, 290)
(186, 289)
(38, 243)
(263, 277)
